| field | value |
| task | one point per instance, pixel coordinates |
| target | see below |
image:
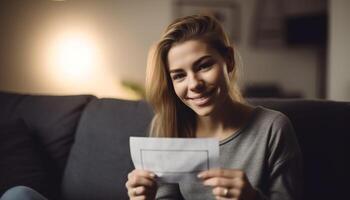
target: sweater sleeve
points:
(285, 162)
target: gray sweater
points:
(266, 149)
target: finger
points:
(221, 198)
(143, 197)
(139, 177)
(239, 183)
(143, 173)
(228, 173)
(221, 191)
(219, 182)
(135, 181)
(231, 192)
(137, 191)
(141, 190)
(224, 198)
(131, 192)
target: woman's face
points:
(199, 75)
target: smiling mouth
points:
(202, 99)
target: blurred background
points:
(289, 49)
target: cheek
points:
(179, 90)
(218, 80)
(214, 78)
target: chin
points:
(203, 112)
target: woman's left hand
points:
(228, 184)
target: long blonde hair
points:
(172, 118)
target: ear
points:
(230, 59)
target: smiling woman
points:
(191, 85)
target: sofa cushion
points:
(100, 160)
(22, 161)
(52, 119)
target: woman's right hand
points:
(141, 185)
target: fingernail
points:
(152, 175)
(200, 175)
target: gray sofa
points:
(77, 147)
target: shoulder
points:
(280, 135)
(271, 120)
(272, 115)
(274, 128)
(274, 122)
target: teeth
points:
(203, 97)
(200, 100)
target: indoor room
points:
(174, 99)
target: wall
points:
(339, 48)
(292, 68)
(118, 30)
(125, 30)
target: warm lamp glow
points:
(73, 56)
(76, 62)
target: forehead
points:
(185, 53)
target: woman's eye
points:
(205, 65)
(177, 76)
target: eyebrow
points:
(195, 63)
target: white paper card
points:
(174, 159)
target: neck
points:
(223, 122)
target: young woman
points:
(191, 84)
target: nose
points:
(195, 83)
